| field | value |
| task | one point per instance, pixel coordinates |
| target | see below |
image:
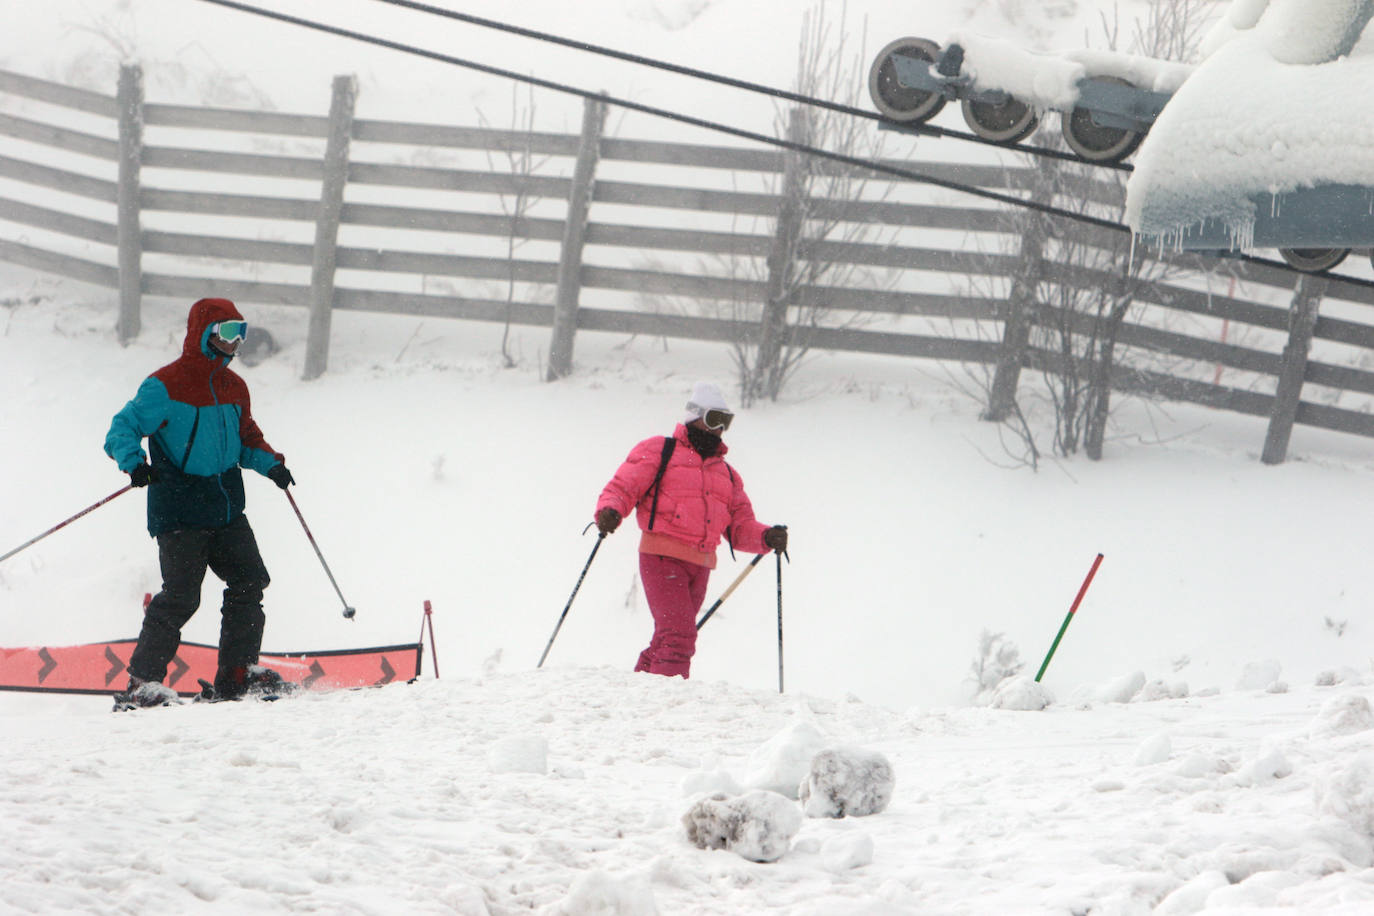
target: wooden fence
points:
(111, 208)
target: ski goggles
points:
(713, 418)
(230, 331)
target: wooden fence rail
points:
(105, 201)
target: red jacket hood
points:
(204, 313)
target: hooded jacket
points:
(699, 500)
(196, 415)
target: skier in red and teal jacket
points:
(196, 415)
(698, 499)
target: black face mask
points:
(704, 442)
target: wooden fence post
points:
(1302, 321)
(327, 225)
(1020, 306)
(765, 380)
(128, 232)
(574, 237)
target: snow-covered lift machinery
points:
(1108, 103)
(1103, 118)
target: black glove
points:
(142, 475)
(607, 520)
(776, 537)
(280, 476)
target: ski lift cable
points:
(800, 98)
(844, 159)
(853, 161)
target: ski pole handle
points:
(60, 525)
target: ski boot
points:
(246, 681)
(141, 694)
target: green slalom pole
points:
(1068, 618)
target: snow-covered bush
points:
(782, 762)
(757, 825)
(1022, 692)
(845, 782)
(997, 660)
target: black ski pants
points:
(231, 552)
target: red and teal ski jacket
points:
(699, 500)
(196, 415)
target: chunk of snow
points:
(1192, 897)
(1155, 749)
(702, 781)
(847, 782)
(847, 851)
(1023, 693)
(1342, 715)
(1259, 675)
(1347, 793)
(757, 825)
(596, 893)
(1123, 689)
(782, 762)
(519, 754)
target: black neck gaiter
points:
(704, 443)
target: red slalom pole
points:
(428, 621)
(1068, 618)
(59, 526)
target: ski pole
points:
(779, 553)
(601, 536)
(1068, 618)
(61, 525)
(733, 585)
(348, 611)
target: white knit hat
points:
(705, 396)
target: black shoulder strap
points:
(668, 444)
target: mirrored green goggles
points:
(230, 331)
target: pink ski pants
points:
(675, 589)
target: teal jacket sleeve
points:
(139, 418)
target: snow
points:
(1267, 112)
(1202, 741)
(1050, 81)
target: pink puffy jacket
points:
(698, 501)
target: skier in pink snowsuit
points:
(682, 510)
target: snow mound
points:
(1343, 715)
(848, 851)
(1260, 675)
(1123, 689)
(519, 754)
(782, 762)
(702, 781)
(758, 825)
(1192, 897)
(595, 893)
(1155, 749)
(847, 782)
(1021, 693)
(1348, 794)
